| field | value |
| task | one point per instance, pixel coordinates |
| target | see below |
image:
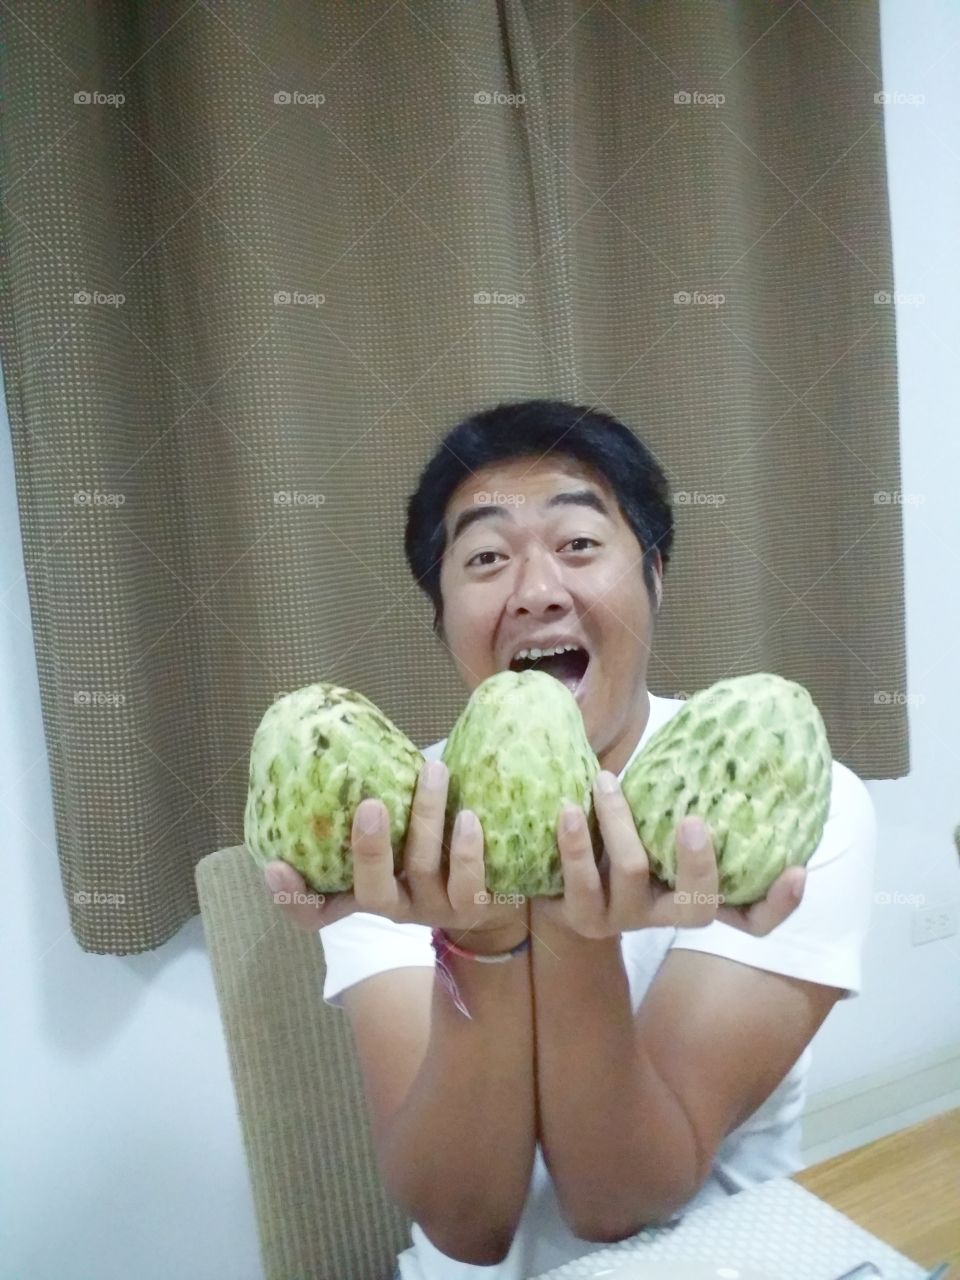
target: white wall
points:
(121, 1151)
(912, 1000)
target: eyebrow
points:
(575, 497)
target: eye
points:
(479, 554)
(472, 559)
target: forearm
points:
(619, 1147)
(459, 1154)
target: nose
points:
(539, 584)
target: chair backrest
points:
(323, 1212)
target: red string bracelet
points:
(443, 947)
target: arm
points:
(633, 1107)
(618, 1143)
(459, 1153)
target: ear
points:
(658, 583)
(439, 630)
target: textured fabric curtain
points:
(258, 259)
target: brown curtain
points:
(246, 250)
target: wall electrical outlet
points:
(931, 923)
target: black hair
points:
(538, 427)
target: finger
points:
(697, 894)
(629, 866)
(301, 905)
(782, 899)
(466, 885)
(374, 883)
(423, 851)
(584, 895)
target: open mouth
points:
(569, 668)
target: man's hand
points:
(622, 893)
(449, 893)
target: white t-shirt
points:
(820, 941)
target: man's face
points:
(523, 572)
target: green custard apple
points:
(516, 756)
(750, 756)
(318, 752)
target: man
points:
(648, 1051)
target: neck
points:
(616, 755)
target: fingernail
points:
(571, 819)
(606, 782)
(434, 774)
(466, 823)
(274, 878)
(695, 834)
(797, 891)
(368, 821)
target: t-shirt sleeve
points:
(822, 940)
(362, 944)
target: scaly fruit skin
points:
(750, 756)
(317, 753)
(517, 754)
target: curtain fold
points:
(257, 260)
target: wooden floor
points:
(904, 1189)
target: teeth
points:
(534, 654)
